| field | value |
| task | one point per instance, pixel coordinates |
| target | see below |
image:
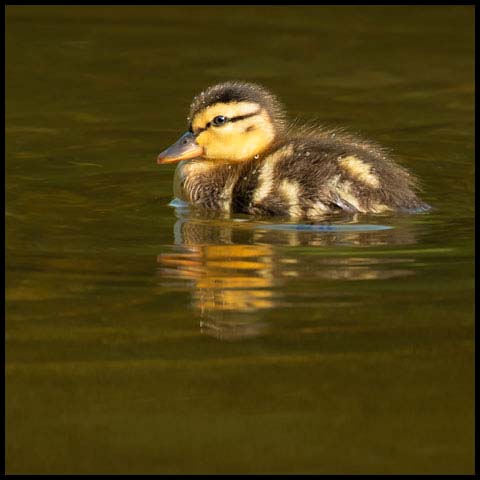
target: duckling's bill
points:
(185, 148)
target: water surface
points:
(143, 338)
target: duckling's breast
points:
(205, 183)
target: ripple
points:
(324, 228)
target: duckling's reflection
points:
(237, 268)
(231, 281)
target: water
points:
(144, 338)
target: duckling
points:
(240, 155)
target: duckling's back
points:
(311, 174)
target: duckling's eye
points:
(219, 120)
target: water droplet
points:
(307, 154)
(244, 178)
(256, 157)
(333, 134)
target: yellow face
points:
(234, 131)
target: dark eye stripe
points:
(233, 119)
(242, 117)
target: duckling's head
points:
(230, 122)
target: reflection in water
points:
(230, 282)
(238, 267)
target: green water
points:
(144, 339)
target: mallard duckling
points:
(240, 156)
